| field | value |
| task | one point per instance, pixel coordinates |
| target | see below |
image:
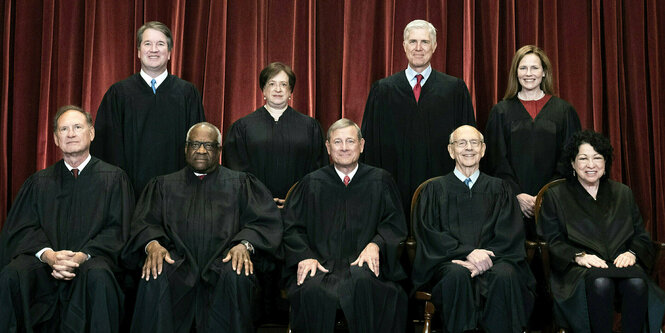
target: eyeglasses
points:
(208, 146)
(463, 143)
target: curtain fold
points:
(606, 58)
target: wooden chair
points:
(660, 247)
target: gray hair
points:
(154, 25)
(452, 135)
(420, 24)
(63, 109)
(207, 124)
(343, 123)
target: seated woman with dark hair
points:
(599, 248)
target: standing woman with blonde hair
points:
(527, 130)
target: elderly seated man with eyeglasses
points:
(195, 232)
(470, 252)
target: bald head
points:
(464, 128)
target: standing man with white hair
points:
(409, 115)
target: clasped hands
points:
(63, 263)
(477, 262)
(157, 254)
(369, 255)
(625, 259)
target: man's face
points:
(73, 134)
(202, 159)
(154, 51)
(419, 49)
(344, 147)
(467, 148)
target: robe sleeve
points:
(640, 243)
(234, 150)
(319, 152)
(553, 231)
(572, 126)
(22, 232)
(372, 152)
(464, 104)
(195, 108)
(497, 151)
(296, 213)
(508, 231)
(391, 231)
(109, 132)
(435, 241)
(147, 225)
(111, 239)
(259, 217)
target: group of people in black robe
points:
(212, 242)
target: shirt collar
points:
(81, 166)
(411, 75)
(462, 177)
(158, 80)
(351, 174)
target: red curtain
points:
(605, 56)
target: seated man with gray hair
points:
(60, 245)
(470, 252)
(205, 221)
(342, 227)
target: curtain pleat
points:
(606, 58)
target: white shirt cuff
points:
(39, 254)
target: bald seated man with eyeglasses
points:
(194, 237)
(470, 236)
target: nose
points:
(419, 46)
(201, 150)
(71, 132)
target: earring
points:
(264, 98)
(574, 175)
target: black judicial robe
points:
(526, 152)
(409, 138)
(90, 214)
(143, 132)
(198, 221)
(571, 221)
(452, 220)
(278, 153)
(332, 223)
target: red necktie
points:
(346, 180)
(416, 88)
(201, 177)
(75, 172)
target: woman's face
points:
(589, 165)
(530, 72)
(277, 91)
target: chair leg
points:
(429, 310)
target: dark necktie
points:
(346, 180)
(416, 88)
(152, 84)
(75, 172)
(467, 182)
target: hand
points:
(64, 263)
(590, 260)
(481, 259)
(624, 260)
(474, 271)
(369, 255)
(279, 202)
(308, 266)
(527, 204)
(155, 259)
(239, 257)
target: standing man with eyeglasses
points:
(409, 115)
(142, 119)
(194, 234)
(60, 246)
(470, 253)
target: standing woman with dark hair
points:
(527, 130)
(276, 143)
(599, 249)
